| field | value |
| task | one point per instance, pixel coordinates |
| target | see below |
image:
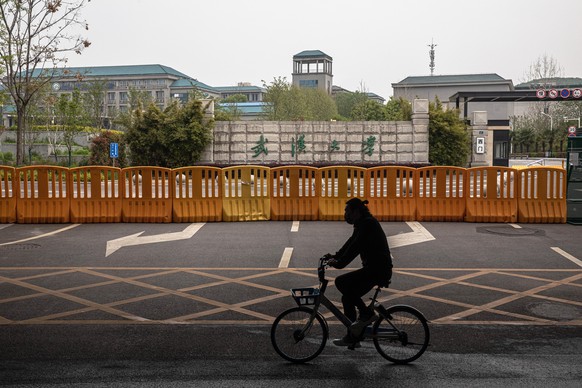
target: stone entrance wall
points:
(334, 142)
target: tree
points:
(542, 73)
(71, 119)
(93, 103)
(320, 106)
(227, 108)
(523, 134)
(449, 142)
(35, 36)
(346, 101)
(289, 102)
(398, 109)
(99, 149)
(368, 110)
(543, 70)
(136, 99)
(173, 138)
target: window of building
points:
(110, 97)
(159, 96)
(123, 97)
(501, 150)
(308, 83)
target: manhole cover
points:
(508, 230)
(555, 311)
(19, 247)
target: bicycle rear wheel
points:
(404, 337)
(294, 340)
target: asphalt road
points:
(104, 305)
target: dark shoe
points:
(347, 341)
(365, 319)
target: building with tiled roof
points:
(162, 82)
(445, 86)
(252, 93)
(313, 69)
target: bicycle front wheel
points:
(295, 338)
(404, 337)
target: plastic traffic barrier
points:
(42, 196)
(390, 193)
(147, 194)
(246, 193)
(542, 195)
(441, 195)
(7, 195)
(197, 194)
(491, 194)
(95, 194)
(338, 185)
(294, 193)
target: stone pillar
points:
(480, 150)
(420, 120)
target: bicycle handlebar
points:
(323, 263)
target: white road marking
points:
(42, 235)
(515, 226)
(567, 256)
(135, 239)
(5, 226)
(295, 226)
(284, 263)
(418, 235)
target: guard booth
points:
(574, 191)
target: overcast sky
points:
(373, 43)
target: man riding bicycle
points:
(369, 241)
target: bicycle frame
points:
(401, 333)
(394, 333)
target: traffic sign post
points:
(114, 151)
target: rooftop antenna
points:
(431, 52)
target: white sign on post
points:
(480, 149)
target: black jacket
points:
(369, 241)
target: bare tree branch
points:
(35, 37)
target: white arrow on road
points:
(135, 239)
(418, 235)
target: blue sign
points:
(114, 150)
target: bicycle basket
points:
(305, 296)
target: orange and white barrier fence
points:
(7, 195)
(95, 194)
(440, 193)
(491, 195)
(147, 194)
(49, 194)
(294, 193)
(542, 195)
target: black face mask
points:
(351, 215)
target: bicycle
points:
(400, 334)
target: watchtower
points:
(313, 69)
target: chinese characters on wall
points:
(298, 146)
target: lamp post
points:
(573, 119)
(551, 121)
(551, 130)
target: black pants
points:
(354, 285)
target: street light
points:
(574, 119)
(551, 131)
(551, 121)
